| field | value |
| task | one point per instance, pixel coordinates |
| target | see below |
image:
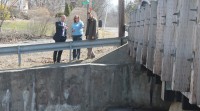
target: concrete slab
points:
(118, 56)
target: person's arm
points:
(82, 25)
(72, 29)
(87, 28)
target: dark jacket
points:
(91, 29)
(58, 37)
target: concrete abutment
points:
(82, 87)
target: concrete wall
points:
(118, 56)
(176, 106)
(76, 88)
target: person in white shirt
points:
(60, 36)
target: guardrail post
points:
(70, 52)
(124, 40)
(19, 55)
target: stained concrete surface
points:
(83, 87)
(76, 88)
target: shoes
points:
(56, 62)
(88, 57)
(93, 57)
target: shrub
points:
(67, 9)
(14, 12)
(4, 13)
(13, 36)
(71, 7)
(38, 13)
(25, 16)
(59, 14)
(40, 27)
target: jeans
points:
(77, 52)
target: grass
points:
(15, 25)
(26, 25)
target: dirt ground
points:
(45, 58)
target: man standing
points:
(91, 33)
(60, 36)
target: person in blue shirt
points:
(77, 32)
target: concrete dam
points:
(110, 83)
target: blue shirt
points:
(77, 28)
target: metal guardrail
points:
(23, 49)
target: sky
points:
(115, 2)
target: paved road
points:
(115, 30)
(42, 41)
(112, 29)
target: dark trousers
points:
(57, 54)
(77, 52)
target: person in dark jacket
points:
(91, 32)
(60, 36)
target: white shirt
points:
(63, 33)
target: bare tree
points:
(112, 20)
(99, 6)
(3, 12)
(54, 6)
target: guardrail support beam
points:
(19, 55)
(70, 53)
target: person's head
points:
(63, 18)
(90, 15)
(76, 18)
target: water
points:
(131, 109)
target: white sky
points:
(115, 2)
